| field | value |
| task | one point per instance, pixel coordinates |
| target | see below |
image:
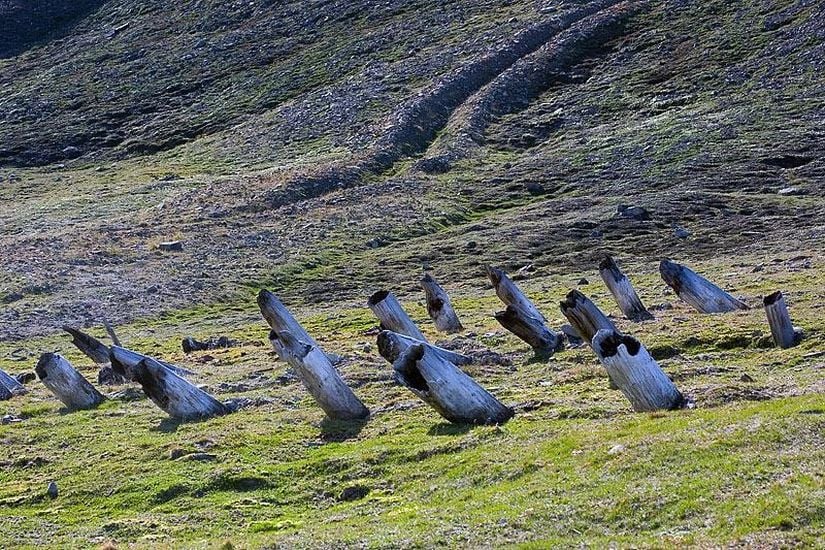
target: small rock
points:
(790, 191)
(170, 246)
(757, 268)
(10, 419)
(356, 492)
(367, 348)
(745, 378)
(632, 212)
(583, 281)
(200, 457)
(471, 245)
(535, 189)
(25, 377)
(680, 232)
(11, 297)
(71, 152)
(176, 453)
(51, 490)
(616, 449)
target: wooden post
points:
(294, 345)
(697, 291)
(530, 329)
(510, 294)
(452, 356)
(11, 384)
(320, 378)
(98, 352)
(439, 307)
(782, 330)
(392, 316)
(66, 383)
(5, 394)
(125, 361)
(585, 317)
(623, 291)
(180, 399)
(440, 384)
(636, 373)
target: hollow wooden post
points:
(125, 361)
(98, 352)
(440, 384)
(782, 330)
(585, 317)
(509, 293)
(697, 291)
(68, 385)
(295, 346)
(622, 290)
(530, 329)
(11, 384)
(635, 372)
(177, 397)
(439, 307)
(386, 307)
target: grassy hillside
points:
(328, 149)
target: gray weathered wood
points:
(5, 394)
(440, 384)
(125, 361)
(782, 330)
(585, 317)
(294, 345)
(697, 291)
(98, 352)
(111, 332)
(68, 385)
(510, 294)
(635, 372)
(544, 341)
(320, 378)
(439, 306)
(450, 355)
(176, 396)
(11, 384)
(622, 290)
(386, 307)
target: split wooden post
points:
(68, 385)
(585, 317)
(98, 352)
(439, 307)
(510, 294)
(782, 330)
(636, 373)
(544, 341)
(295, 346)
(179, 398)
(697, 291)
(11, 384)
(386, 307)
(440, 384)
(622, 290)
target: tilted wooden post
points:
(509, 293)
(125, 361)
(439, 307)
(635, 372)
(522, 318)
(622, 290)
(386, 307)
(544, 341)
(179, 398)
(98, 352)
(585, 317)
(5, 394)
(452, 356)
(66, 383)
(697, 291)
(440, 384)
(294, 345)
(782, 330)
(11, 384)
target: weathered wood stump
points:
(622, 290)
(125, 361)
(68, 385)
(440, 384)
(782, 330)
(452, 356)
(544, 341)
(295, 346)
(636, 373)
(510, 294)
(697, 291)
(98, 352)
(179, 398)
(439, 307)
(11, 384)
(386, 307)
(585, 317)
